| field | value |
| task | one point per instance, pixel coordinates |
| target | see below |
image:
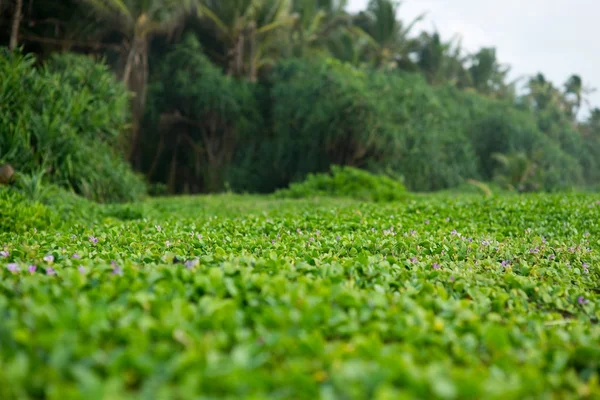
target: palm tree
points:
(138, 21)
(388, 35)
(247, 27)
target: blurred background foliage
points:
(201, 96)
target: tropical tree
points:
(137, 22)
(315, 23)
(248, 29)
(488, 75)
(389, 37)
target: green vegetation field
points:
(441, 296)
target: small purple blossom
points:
(93, 239)
(273, 241)
(585, 268)
(338, 238)
(551, 257)
(76, 256)
(485, 242)
(50, 271)
(191, 263)
(534, 250)
(73, 237)
(4, 253)
(582, 300)
(12, 267)
(454, 233)
(451, 278)
(199, 236)
(49, 258)
(413, 232)
(81, 269)
(117, 270)
(435, 266)
(505, 263)
(413, 260)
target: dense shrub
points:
(66, 118)
(195, 119)
(347, 182)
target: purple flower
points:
(93, 239)
(312, 239)
(73, 237)
(505, 263)
(117, 270)
(199, 236)
(585, 268)
(413, 260)
(76, 256)
(337, 237)
(113, 263)
(32, 268)
(413, 232)
(12, 267)
(435, 266)
(452, 278)
(454, 233)
(81, 269)
(50, 271)
(4, 253)
(582, 300)
(49, 258)
(485, 242)
(273, 241)
(191, 263)
(534, 250)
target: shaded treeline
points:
(253, 94)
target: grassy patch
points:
(450, 297)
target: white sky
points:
(555, 37)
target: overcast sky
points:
(556, 37)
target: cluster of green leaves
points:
(65, 118)
(345, 181)
(228, 296)
(56, 207)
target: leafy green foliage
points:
(226, 296)
(346, 182)
(207, 113)
(65, 118)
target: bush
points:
(66, 118)
(20, 215)
(195, 118)
(344, 181)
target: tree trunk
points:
(135, 77)
(14, 34)
(252, 71)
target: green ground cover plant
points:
(439, 296)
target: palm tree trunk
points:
(252, 71)
(135, 77)
(14, 34)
